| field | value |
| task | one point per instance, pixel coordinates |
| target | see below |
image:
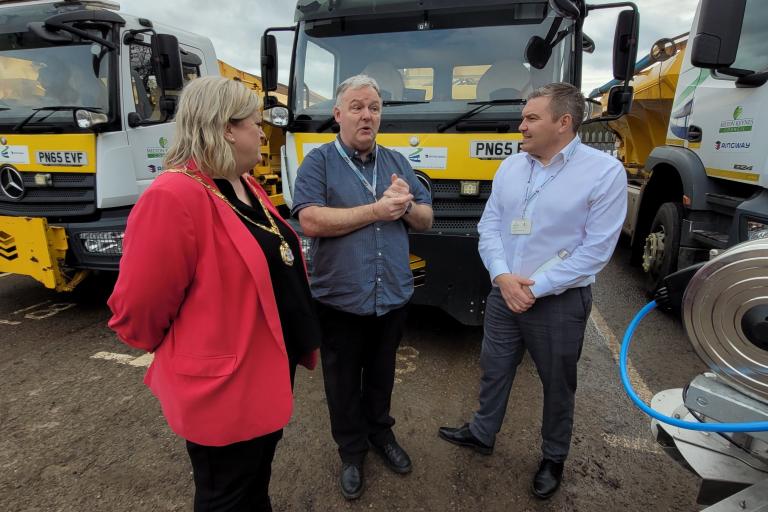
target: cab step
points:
(713, 239)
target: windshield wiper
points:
(53, 110)
(481, 106)
(395, 103)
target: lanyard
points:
(371, 187)
(527, 198)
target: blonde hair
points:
(206, 105)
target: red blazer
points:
(194, 288)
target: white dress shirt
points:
(580, 210)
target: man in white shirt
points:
(550, 225)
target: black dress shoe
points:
(464, 437)
(547, 478)
(395, 457)
(351, 480)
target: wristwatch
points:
(408, 208)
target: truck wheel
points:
(662, 245)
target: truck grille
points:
(456, 214)
(67, 195)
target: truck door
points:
(149, 142)
(727, 124)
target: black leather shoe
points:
(464, 437)
(547, 478)
(351, 480)
(395, 457)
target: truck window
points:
(318, 79)
(751, 53)
(144, 82)
(146, 92)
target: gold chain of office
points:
(286, 254)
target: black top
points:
(301, 330)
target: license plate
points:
(492, 149)
(63, 158)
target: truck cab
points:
(691, 143)
(454, 76)
(87, 96)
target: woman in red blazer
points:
(212, 281)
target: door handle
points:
(694, 133)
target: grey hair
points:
(356, 82)
(564, 99)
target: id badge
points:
(520, 227)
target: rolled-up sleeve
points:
(157, 266)
(310, 188)
(608, 208)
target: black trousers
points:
(358, 355)
(235, 477)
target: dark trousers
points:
(234, 477)
(552, 331)
(358, 355)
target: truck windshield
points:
(37, 74)
(429, 73)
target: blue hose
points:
(755, 426)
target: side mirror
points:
(587, 44)
(619, 100)
(168, 60)
(269, 63)
(663, 49)
(716, 39)
(625, 45)
(537, 52)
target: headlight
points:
(469, 188)
(757, 230)
(107, 243)
(86, 118)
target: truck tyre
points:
(662, 245)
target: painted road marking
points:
(144, 360)
(631, 443)
(39, 311)
(31, 307)
(406, 357)
(610, 339)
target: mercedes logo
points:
(11, 183)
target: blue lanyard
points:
(371, 187)
(527, 198)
